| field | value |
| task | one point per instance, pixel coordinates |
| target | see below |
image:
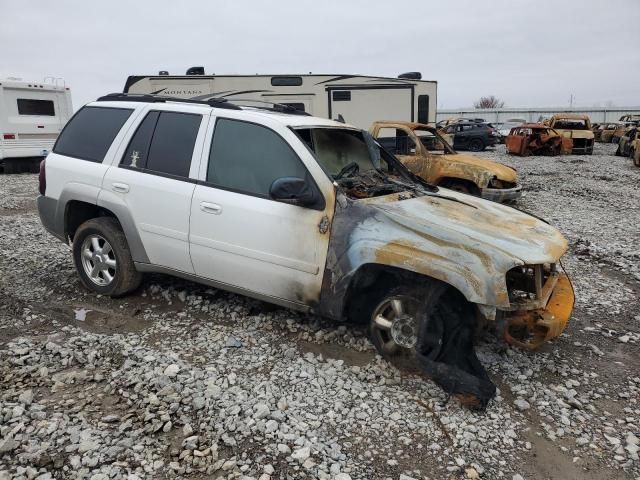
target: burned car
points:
(577, 128)
(610, 132)
(426, 153)
(536, 139)
(309, 214)
(629, 145)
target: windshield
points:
(359, 164)
(571, 124)
(336, 149)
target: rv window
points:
(172, 144)
(423, 108)
(286, 81)
(246, 157)
(342, 96)
(138, 149)
(90, 132)
(29, 106)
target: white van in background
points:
(358, 99)
(32, 115)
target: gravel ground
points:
(180, 380)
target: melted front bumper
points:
(501, 195)
(530, 329)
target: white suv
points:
(299, 211)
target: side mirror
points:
(293, 190)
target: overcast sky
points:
(529, 53)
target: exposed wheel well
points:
(369, 281)
(77, 212)
(450, 182)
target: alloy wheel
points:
(98, 260)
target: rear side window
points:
(164, 143)
(172, 144)
(30, 106)
(246, 157)
(90, 132)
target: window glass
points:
(286, 81)
(29, 106)
(90, 132)
(138, 149)
(248, 158)
(342, 96)
(172, 144)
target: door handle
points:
(120, 187)
(214, 208)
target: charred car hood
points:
(502, 172)
(472, 224)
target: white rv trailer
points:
(32, 115)
(359, 99)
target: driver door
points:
(239, 236)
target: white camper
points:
(32, 115)
(359, 100)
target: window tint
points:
(248, 158)
(138, 149)
(286, 81)
(342, 96)
(90, 132)
(172, 144)
(29, 106)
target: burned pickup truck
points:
(424, 151)
(577, 128)
(536, 139)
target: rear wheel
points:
(102, 258)
(476, 145)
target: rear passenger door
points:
(154, 181)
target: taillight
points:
(42, 178)
(9, 136)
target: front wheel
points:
(476, 145)
(102, 258)
(393, 323)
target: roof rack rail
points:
(145, 97)
(277, 107)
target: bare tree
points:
(489, 102)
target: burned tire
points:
(445, 348)
(102, 258)
(476, 145)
